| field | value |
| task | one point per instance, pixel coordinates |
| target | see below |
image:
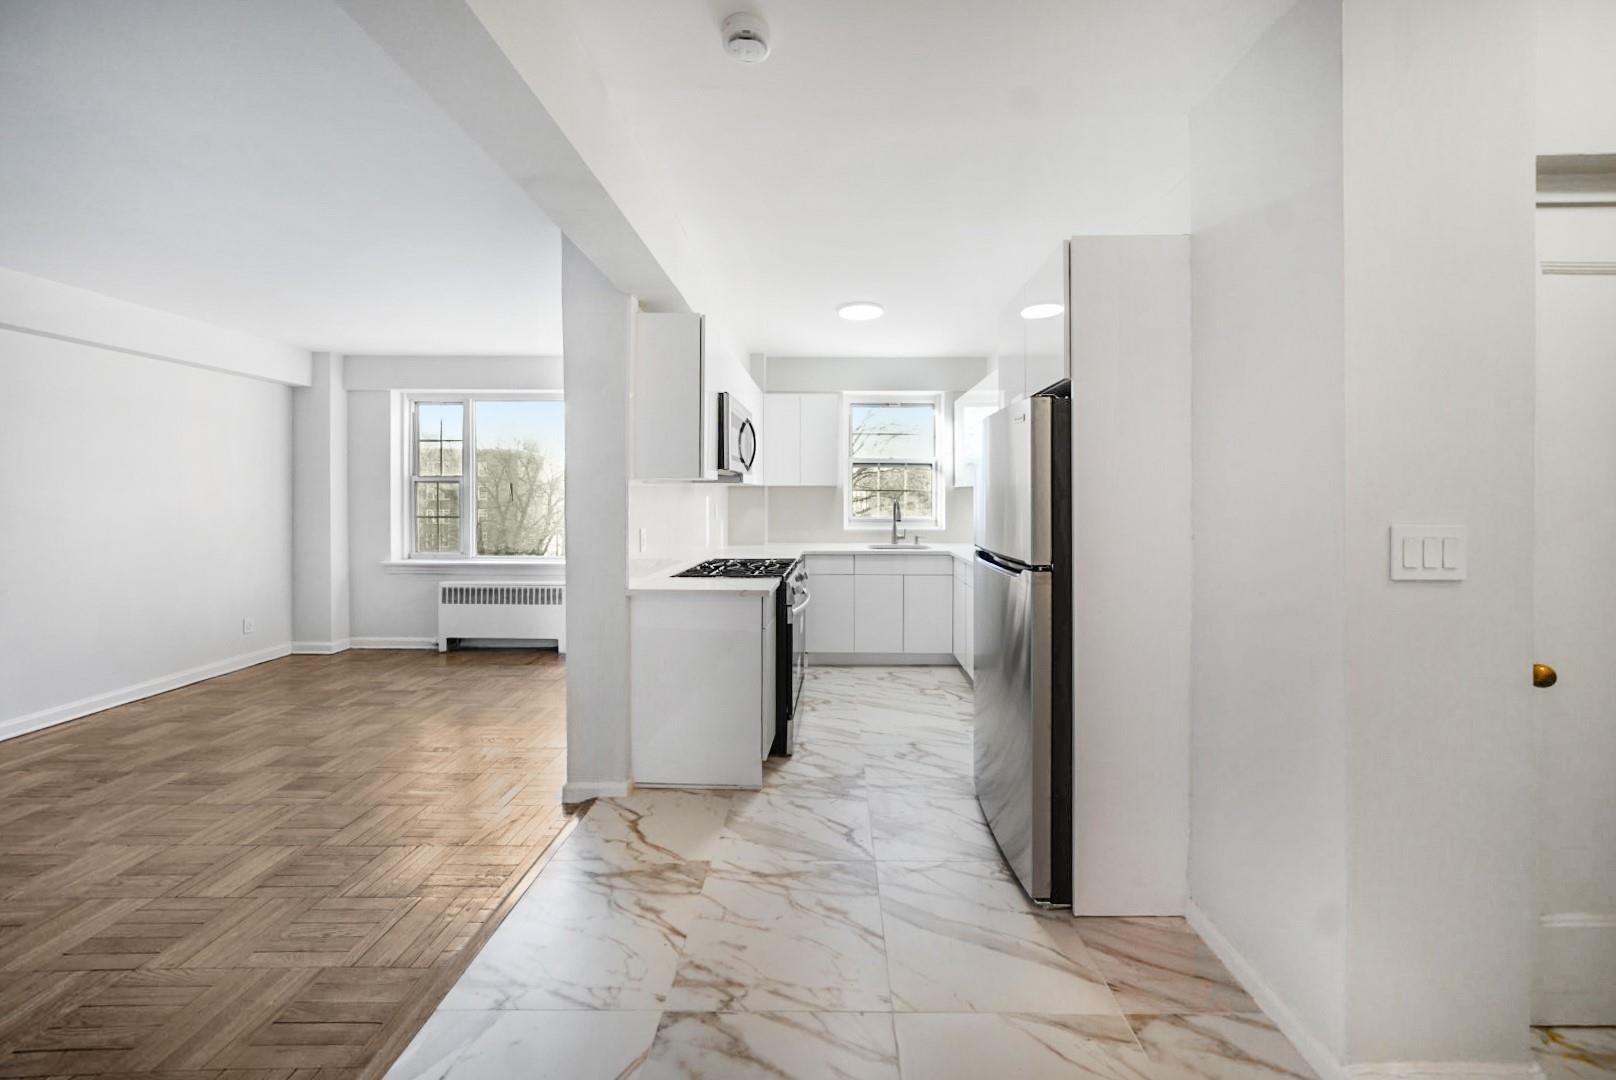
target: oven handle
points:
(798, 609)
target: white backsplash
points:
(680, 523)
(815, 513)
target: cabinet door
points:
(830, 613)
(928, 614)
(970, 630)
(961, 646)
(821, 439)
(669, 419)
(782, 426)
(878, 613)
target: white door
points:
(1576, 612)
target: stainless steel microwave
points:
(737, 438)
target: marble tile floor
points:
(1575, 1053)
(850, 920)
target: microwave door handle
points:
(741, 440)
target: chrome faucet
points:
(897, 516)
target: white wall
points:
(1268, 781)
(806, 374)
(156, 515)
(1440, 317)
(598, 348)
(679, 523)
(1131, 592)
(1576, 81)
(393, 604)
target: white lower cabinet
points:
(889, 604)
(701, 690)
(878, 613)
(962, 645)
(830, 612)
(928, 624)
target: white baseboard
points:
(1313, 1049)
(320, 648)
(1309, 1045)
(59, 714)
(1446, 1070)
(576, 791)
(393, 643)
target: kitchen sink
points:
(901, 547)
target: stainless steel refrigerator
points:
(1023, 595)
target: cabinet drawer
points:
(830, 564)
(928, 565)
(881, 564)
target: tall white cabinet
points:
(802, 440)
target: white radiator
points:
(513, 610)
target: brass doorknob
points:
(1543, 676)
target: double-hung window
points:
(892, 457)
(486, 477)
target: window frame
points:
(941, 435)
(468, 474)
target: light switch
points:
(1428, 553)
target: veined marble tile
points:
(969, 1046)
(648, 827)
(532, 1045)
(884, 726)
(806, 938)
(918, 826)
(918, 765)
(962, 937)
(768, 828)
(1576, 1053)
(1229, 1046)
(1160, 965)
(773, 1046)
(587, 936)
(823, 769)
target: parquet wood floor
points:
(274, 874)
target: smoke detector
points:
(746, 38)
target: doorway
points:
(1574, 991)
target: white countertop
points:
(662, 580)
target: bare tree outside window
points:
(892, 452)
(504, 459)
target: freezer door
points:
(1014, 495)
(1012, 733)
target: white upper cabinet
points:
(1034, 330)
(681, 365)
(671, 416)
(802, 439)
(821, 440)
(782, 436)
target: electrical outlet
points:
(642, 541)
(248, 626)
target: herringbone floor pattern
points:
(273, 874)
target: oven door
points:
(791, 666)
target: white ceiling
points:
(266, 167)
(919, 153)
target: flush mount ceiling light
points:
(861, 310)
(1041, 311)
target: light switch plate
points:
(1428, 553)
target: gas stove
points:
(741, 568)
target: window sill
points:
(536, 568)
